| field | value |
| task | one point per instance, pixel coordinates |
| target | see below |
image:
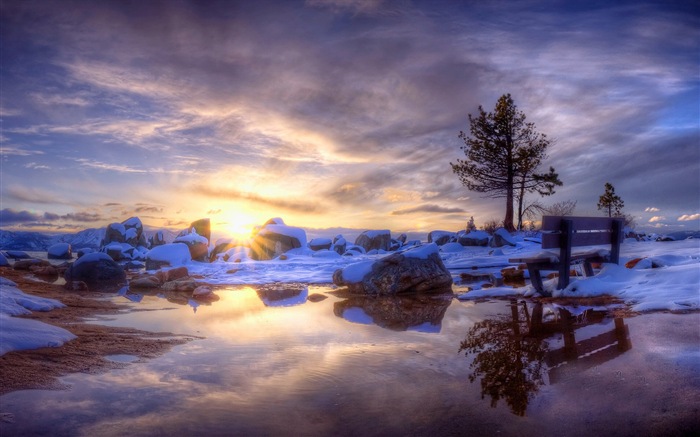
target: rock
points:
(145, 282)
(17, 254)
(97, 270)
(184, 284)
(282, 295)
(26, 264)
(59, 251)
(274, 239)
(172, 254)
(45, 271)
(316, 297)
(371, 240)
(115, 232)
(75, 286)
(158, 239)
(402, 238)
(339, 244)
(416, 270)
(198, 245)
(3, 261)
(203, 228)
(501, 238)
(133, 232)
(202, 290)
(84, 251)
(474, 238)
(632, 263)
(222, 246)
(172, 274)
(442, 237)
(320, 244)
(513, 274)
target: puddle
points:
(122, 358)
(273, 360)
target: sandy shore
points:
(41, 368)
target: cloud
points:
(688, 217)
(25, 193)
(18, 151)
(427, 208)
(232, 194)
(656, 218)
(214, 211)
(35, 166)
(651, 209)
(8, 216)
(147, 208)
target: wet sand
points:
(41, 368)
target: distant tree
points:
(503, 153)
(490, 226)
(611, 202)
(470, 225)
(565, 207)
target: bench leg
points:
(536, 279)
(563, 276)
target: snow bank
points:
(422, 252)
(176, 254)
(22, 334)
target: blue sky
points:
(337, 113)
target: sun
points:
(237, 225)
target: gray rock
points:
(371, 240)
(97, 270)
(501, 238)
(59, 251)
(401, 273)
(442, 237)
(474, 238)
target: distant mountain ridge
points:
(37, 241)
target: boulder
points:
(183, 284)
(27, 264)
(198, 245)
(501, 238)
(402, 238)
(59, 251)
(339, 244)
(172, 254)
(158, 239)
(172, 274)
(442, 237)
(17, 254)
(371, 240)
(145, 282)
(3, 261)
(84, 251)
(222, 246)
(202, 227)
(474, 238)
(96, 269)
(417, 270)
(320, 244)
(274, 239)
(133, 232)
(115, 232)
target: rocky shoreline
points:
(42, 368)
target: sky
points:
(337, 113)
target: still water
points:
(298, 360)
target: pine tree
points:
(611, 202)
(503, 153)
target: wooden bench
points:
(565, 233)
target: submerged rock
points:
(417, 270)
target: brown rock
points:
(180, 285)
(145, 282)
(75, 286)
(633, 262)
(172, 274)
(25, 264)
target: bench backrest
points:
(585, 231)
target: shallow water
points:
(275, 363)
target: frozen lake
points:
(274, 362)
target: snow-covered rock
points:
(501, 238)
(59, 251)
(172, 254)
(97, 270)
(474, 238)
(198, 245)
(442, 237)
(417, 270)
(374, 240)
(274, 239)
(320, 244)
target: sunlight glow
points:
(237, 224)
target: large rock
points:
(371, 240)
(168, 255)
(59, 251)
(201, 227)
(115, 233)
(274, 239)
(96, 270)
(320, 244)
(474, 238)
(158, 239)
(340, 244)
(197, 244)
(442, 237)
(501, 238)
(416, 270)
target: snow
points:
(289, 231)
(58, 249)
(176, 254)
(92, 257)
(21, 334)
(192, 238)
(354, 273)
(376, 233)
(422, 252)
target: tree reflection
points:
(511, 354)
(509, 362)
